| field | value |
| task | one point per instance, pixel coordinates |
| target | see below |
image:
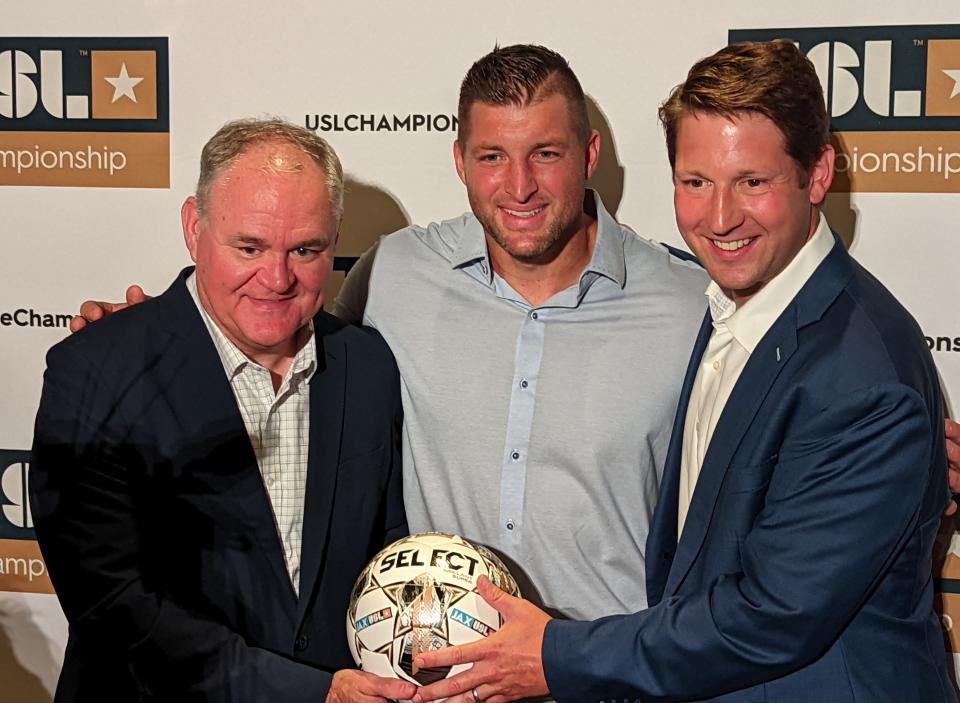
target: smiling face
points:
(525, 167)
(263, 248)
(743, 205)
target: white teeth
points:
(731, 246)
(523, 213)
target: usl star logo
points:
(943, 78)
(954, 75)
(123, 84)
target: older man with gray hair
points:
(199, 461)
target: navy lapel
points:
(760, 373)
(327, 399)
(762, 369)
(662, 541)
(209, 411)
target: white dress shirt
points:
(278, 425)
(736, 333)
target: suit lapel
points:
(327, 398)
(209, 410)
(759, 375)
(662, 542)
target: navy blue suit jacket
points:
(804, 569)
(159, 534)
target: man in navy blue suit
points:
(212, 469)
(790, 555)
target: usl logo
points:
(116, 92)
(893, 97)
(22, 568)
(16, 521)
(881, 78)
(84, 112)
(44, 82)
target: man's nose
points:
(521, 182)
(276, 273)
(725, 213)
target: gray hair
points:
(236, 138)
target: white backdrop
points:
(305, 59)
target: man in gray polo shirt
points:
(540, 345)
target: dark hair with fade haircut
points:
(521, 74)
(773, 79)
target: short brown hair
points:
(520, 75)
(772, 78)
(236, 138)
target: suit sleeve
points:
(843, 500)
(395, 522)
(88, 492)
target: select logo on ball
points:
(419, 595)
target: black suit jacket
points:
(159, 534)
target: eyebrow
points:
(318, 242)
(548, 144)
(251, 240)
(247, 239)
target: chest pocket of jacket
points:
(749, 478)
(742, 495)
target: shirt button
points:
(534, 315)
(302, 642)
(716, 365)
(269, 482)
(515, 456)
(509, 524)
(523, 383)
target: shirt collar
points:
(234, 361)
(608, 258)
(749, 323)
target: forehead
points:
(272, 157)
(269, 166)
(718, 138)
(536, 120)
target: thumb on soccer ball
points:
(501, 601)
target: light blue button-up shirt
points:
(538, 431)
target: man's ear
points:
(821, 175)
(190, 219)
(458, 160)
(592, 154)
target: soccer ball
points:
(418, 595)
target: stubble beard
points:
(556, 232)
